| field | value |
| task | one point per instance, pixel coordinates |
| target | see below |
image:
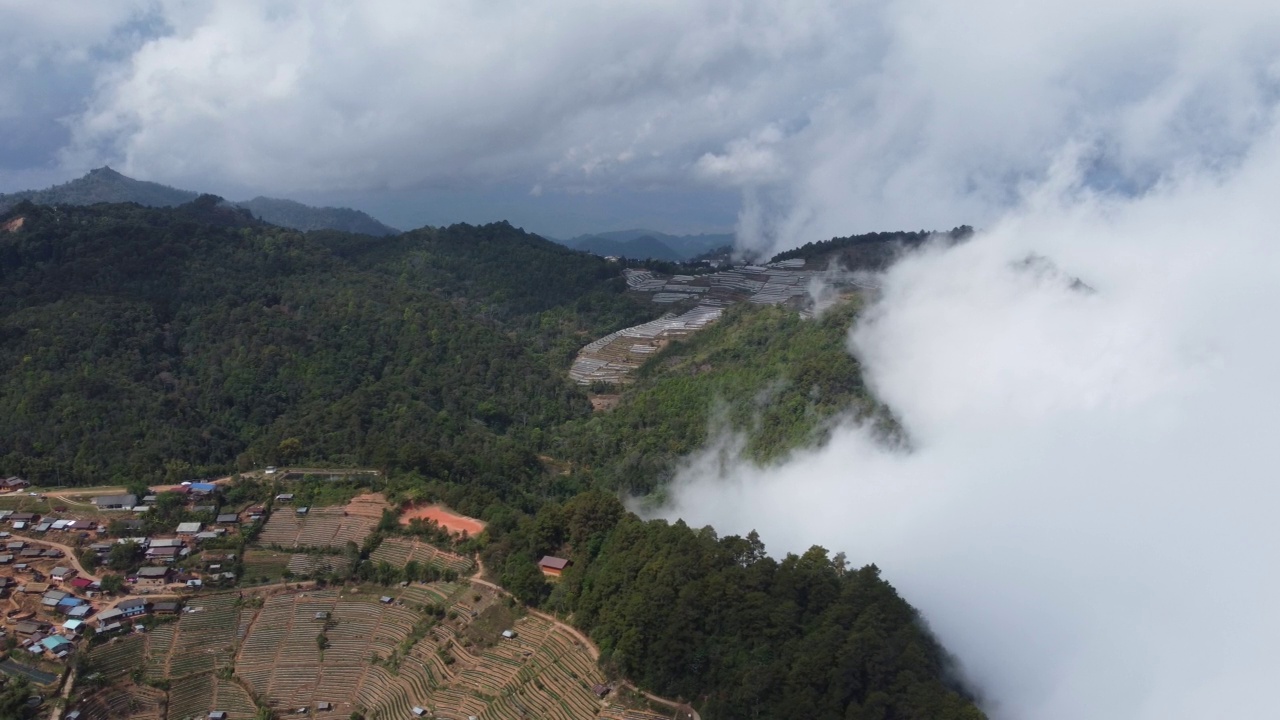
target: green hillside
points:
(291, 214)
(159, 344)
(164, 344)
(101, 185)
(763, 371)
(104, 185)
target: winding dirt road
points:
(67, 550)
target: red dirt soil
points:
(445, 518)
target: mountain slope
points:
(135, 341)
(291, 214)
(641, 248)
(104, 185)
(764, 372)
(649, 244)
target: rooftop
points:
(552, 562)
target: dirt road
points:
(65, 494)
(67, 550)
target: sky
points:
(785, 122)
(1085, 516)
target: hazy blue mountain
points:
(106, 185)
(292, 214)
(102, 185)
(641, 248)
(651, 244)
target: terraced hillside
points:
(399, 551)
(384, 658)
(324, 527)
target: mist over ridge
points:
(1084, 515)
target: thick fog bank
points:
(1087, 514)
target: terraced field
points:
(380, 658)
(269, 564)
(302, 564)
(321, 527)
(399, 551)
(280, 658)
(197, 695)
(199, 642)
(119, 655)
(123, 703)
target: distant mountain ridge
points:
(643, 244)
(104, 185)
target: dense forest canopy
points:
(870, 251)
(169, 343)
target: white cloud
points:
(340, 93)
(1087, 516)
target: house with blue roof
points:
(56, 644)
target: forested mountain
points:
(762, 371)
(643, 248)
(162, 344)
(291, 214)
(869, 251)
(148, 343)
(716, 620)
(104, 185)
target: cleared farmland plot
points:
(302, 564)
(322, 527)
(381, 659)
(268, 564)
(399, 551)
(119, 655)
(123, 703)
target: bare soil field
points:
(444, 517)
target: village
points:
(181, 603)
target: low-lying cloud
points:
(1087, 513)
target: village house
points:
(189, 528)
(22, 517)
(201, 488)
(83, 584)
(552, 566)
(115, 502)
(61, 574)
(13, 483)
(167, 607)
(73, 626)
(152, 576)
(284, 498)
(228, 519)
(164, 554)
(131, 608)
(28, 627)
(57, 645)
(106, 617)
